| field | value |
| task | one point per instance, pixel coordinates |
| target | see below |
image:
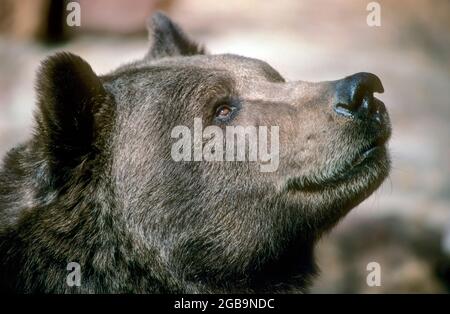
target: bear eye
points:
(223, 112)
(226, 109)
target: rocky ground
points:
(402, 226)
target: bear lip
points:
(364, 154)
(368, 151)
(371, 154)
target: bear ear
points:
(69, 95)
(168, 39)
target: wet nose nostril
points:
(354, 94)
(344, 109)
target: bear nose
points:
(354, 95)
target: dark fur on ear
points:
(70, 94)
(168, 39)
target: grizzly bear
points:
(101, 184)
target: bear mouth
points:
(369, 160)
(368, 152)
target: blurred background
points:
(405, 225)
